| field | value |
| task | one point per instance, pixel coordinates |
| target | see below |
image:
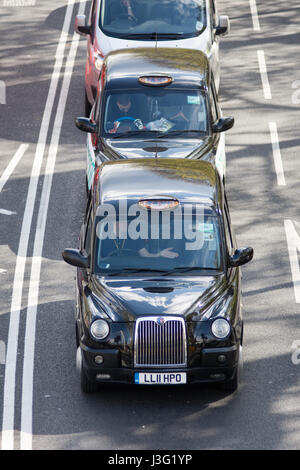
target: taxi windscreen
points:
(156, 110)
(161, 19)
(162, 242)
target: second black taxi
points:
(155, 103)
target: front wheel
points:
(233, 384)
(86, 385)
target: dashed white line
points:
(6, 212)
(16, 303)
(3, 271)
(277, 154)
(254, 13)
(293, 241)
(12, 165)
(264, 75)
(28, 364)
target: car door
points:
(92, 36)
(218, 139)
(214, 60)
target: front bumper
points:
(111, 371)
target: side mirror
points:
(223, 27)
(241, 256)
(223, 124)
(80, 26)
(75, 258)
(84, 124)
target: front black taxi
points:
(158, 277)
(155, 103)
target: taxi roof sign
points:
(155, 80)
(159, 203)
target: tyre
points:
(86, 385)
(88, 193)
(87, 105)
(233, 384)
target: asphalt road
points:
(43, 408)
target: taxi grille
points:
(160, 342)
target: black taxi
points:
(158, 103)
(158, 281)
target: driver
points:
(127, 9)
(125, 115)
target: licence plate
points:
(161, 378)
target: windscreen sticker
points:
(199, 26)
(208, 231)
(193, 99)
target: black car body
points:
(174, 110)
(159, 320)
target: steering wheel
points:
(125, 118)
(117, 251)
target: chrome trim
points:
(171, 339)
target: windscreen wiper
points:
(138, 270)
(153, 36)
(166, 134)
(186, 269)
(125, 134)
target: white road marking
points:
(16, 303)
(28, 364)
(264, 75)
(6, 212)
(293, 241)
(255, 20)
(277, 154)
(3, 271)
(12, 165)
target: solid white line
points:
(16, 303)
(28, 364)
(293, 241)
(264, 75)
(277, 154)
(12, 165)
(255, 20)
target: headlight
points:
(220, 328)
(99, 329)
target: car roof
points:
(189, 181)
(185, 66)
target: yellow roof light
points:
(155, 80)
(159, 204)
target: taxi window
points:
(142, 19)
(161, 246)
(155, 109)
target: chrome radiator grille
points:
(160, 342)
